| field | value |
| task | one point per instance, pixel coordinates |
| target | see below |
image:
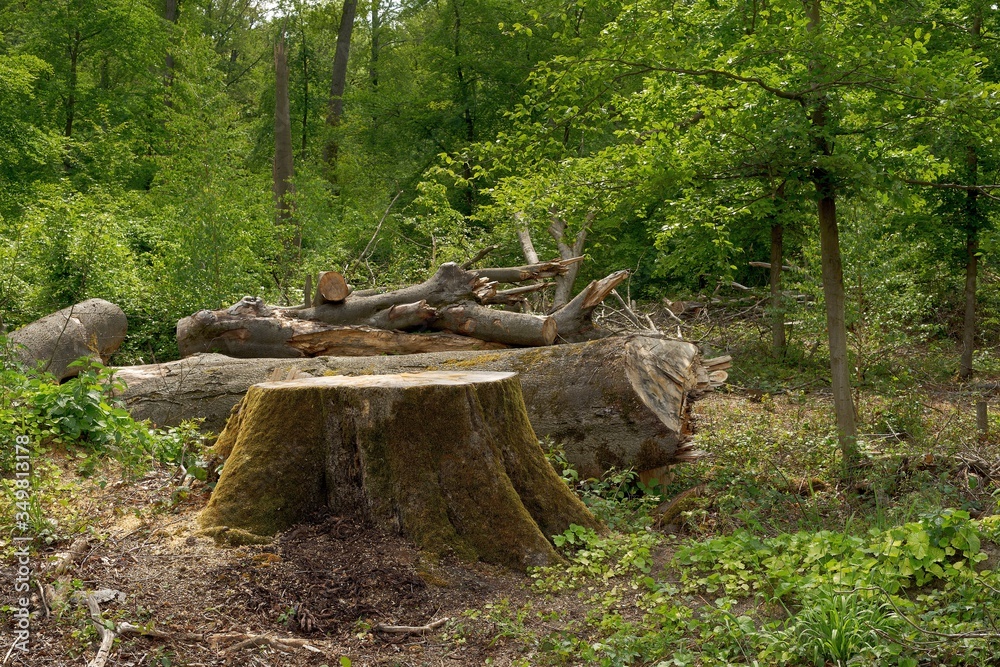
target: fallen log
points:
(578, 394)
(499, 326)
(251, 329)
(466, 478)
(93, 328)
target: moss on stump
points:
(447, 458)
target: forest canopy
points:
(175, 155)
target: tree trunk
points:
(524, 237)
(833, 292)
(170, 15)
(972, 236)
(447, 458)
(282, 167)
(969, 320)
(376, 34)
(331, 287)
(833, 274)
(777, 307)
(580, 395)
(335, 107)
(564, 283)
(74, 56)
(94, 329)
(498, 326)
(305, 88)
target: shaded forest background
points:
(138, 151)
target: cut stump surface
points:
(447, 458)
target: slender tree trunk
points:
(305, 93)
(335, 107)
(74, 56)
(833, 276)
(283, 166)
(376, 29)
(170, 15)
(833, 291)
(777, 308)
(564, 283)
(971, 243)
(969, 325)
(467, 115)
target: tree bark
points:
(969, 319)
(74, 57)
(335, 107)
(447, 301)
(524, 237)
(94, 329)
(499, 326)
(447, 458)
(574, 320)
(580, 395)
(564, 283)
(972, 224)
(833, 275)
(519, 274)
(283, 169)
(777, 307)
(170, 15)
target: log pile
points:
(456, 309)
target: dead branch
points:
(411, 629)
(479, 255)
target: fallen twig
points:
(107, 636)
(411, 629)
(72, 557)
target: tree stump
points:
(447, 458)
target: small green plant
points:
(840, 627)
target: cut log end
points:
(449, 458)
(333, 287)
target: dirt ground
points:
(330, 582)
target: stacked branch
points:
(448, 312)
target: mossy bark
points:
(449, 459)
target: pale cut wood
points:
(332, 287)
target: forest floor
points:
(732, 575)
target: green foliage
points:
(84, 416)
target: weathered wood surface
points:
(578, 394)
(454, 299)
(466, 477)
(94, 328)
